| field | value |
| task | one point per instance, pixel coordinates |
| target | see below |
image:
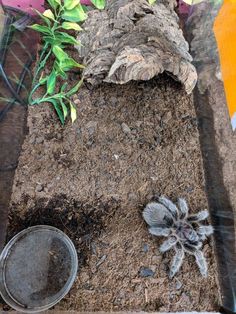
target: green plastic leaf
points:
(54, 3)
(64, 86)
(58, 109)
(99, 4)
(60, 54)
(66, 38)
(69, 63)
(74, 89)
(44, 18)
(75, 15)
(52, 40)
(48, 13)
(40, 28)
(73, 113)
(70, 4)
(51, 82)
(71, 25)
(85, 8)
(59, 70)
(64, 108)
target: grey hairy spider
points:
(184, 232)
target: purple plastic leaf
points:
(86, 2)
(183, 7)
(25, 5)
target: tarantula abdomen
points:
(184, 232)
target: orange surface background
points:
(225, 32)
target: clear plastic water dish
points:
(37, 269)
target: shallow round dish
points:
(37, 268)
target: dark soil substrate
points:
(92, 179)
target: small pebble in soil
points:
(178, 284)
(39, 188)
(125, 128)
(167, 117)
(114, 101)
(39, 140)
(87, 286)
(146, 272)
(102, 260)
(93, 248)
(189, 189)
(145, 248)
(77, 101)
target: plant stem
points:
(40, 67)
(39, 62)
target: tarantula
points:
(183, 231)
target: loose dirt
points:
(92, 179)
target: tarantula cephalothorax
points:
(183, 231)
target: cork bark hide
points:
(132, 40)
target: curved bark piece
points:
(132, 40)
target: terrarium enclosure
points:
(151, 120)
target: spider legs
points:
(183, 207)
(168, 244)
(201, 262)
(199, 257)
(202, 215)
(169, 205)
(176, 262)
(206, 230)
(159, 231)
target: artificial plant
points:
(55, 21)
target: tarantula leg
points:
(202, 237)
(183, 206)
(168, 244)
(201, 262)
(177, 262)
(202, 215)
(169, 205)
(192, 248)
(159, 231)
(154, 214)
(205, 230)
